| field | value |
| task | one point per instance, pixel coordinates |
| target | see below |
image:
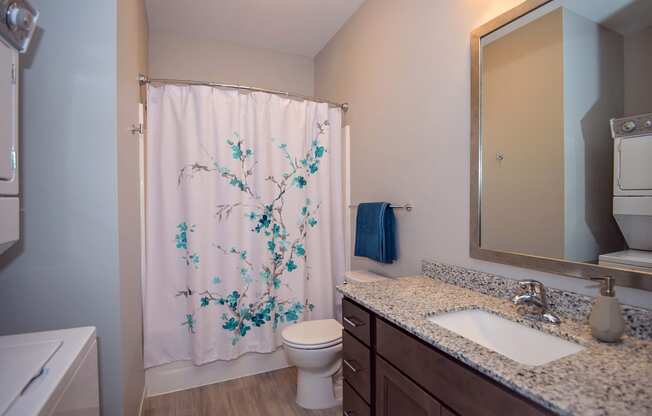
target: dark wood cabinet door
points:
(396, 395)
(447, 412)
(353, 405)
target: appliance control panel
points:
(640, 125)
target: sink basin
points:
(517, 342)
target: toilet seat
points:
(313, 335)
(312, 346)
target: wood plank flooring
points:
(268, 394)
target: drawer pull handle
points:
(352, 321)
(350, 365)
(349, 413)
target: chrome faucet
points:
(533, 303)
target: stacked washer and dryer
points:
(632, 200)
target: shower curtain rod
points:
(143, 79)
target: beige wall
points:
(132, 60)
(549, 89)
(523, 194)
(172, 56)
(404, 67)
(638, 67)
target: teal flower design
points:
(253, 307)
(245, 275)
(236, 151)
(190, 323)
(291, 265)
(277, 283)
(300, 182)
(182, 236)
(181, 242)
(231, 324)
(294, 312)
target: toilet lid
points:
(312, 334)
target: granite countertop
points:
(602, 379)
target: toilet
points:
(315, 348)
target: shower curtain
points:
(244, 220)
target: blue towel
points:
(375, 236)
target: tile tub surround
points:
(567, 304)
(603, 379)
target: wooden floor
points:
(268, 394)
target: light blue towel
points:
(375, 236)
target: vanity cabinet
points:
(397, 395)
(390, 372)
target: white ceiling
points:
(622, 16)
(300, 27)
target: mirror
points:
(562, 139)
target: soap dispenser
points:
(606, 319)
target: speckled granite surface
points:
(638, 320)
(602, 379)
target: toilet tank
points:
(362, 276)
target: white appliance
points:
(17, 25)
(632, 203)
(51, 373)
(9, 205)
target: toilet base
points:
(315, 392)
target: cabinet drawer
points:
(356, 365)
(352, 404)
(396, 395)
(460, 388)
(357, 321)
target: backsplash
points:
(570, 304)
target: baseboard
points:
(183, 375)
(142, 401)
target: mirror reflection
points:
(566, 134)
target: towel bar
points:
(407, 207)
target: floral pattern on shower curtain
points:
(244, 220)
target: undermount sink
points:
(517, 342)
